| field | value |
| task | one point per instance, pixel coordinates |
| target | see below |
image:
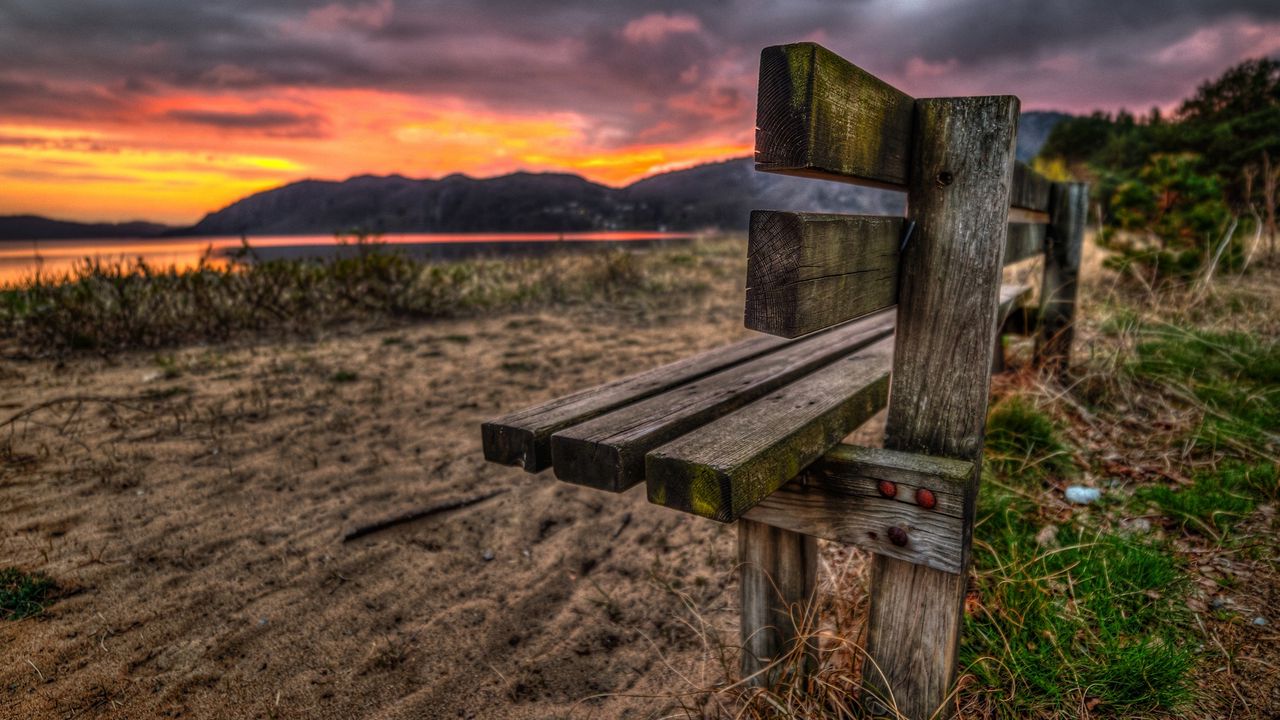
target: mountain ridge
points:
(712, 195)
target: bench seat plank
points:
(608, 452)
(725, 467)
(524, 438)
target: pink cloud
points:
(654, 27)
(918, 67)
(335, 16)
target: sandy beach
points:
(193, 506)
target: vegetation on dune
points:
(1233, 377)
(1178, 195)
(108, 306)
(24, 594)
(1069, 613)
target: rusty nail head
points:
(888, 489)
(897, 536)
(925, 498)
(945, 178)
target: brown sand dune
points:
(194, 506)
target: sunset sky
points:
(165, 110)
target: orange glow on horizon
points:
(180, 156)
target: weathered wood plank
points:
(727, 466)
(723, 468)
(1030, 189)
(841, 498)
(959, 199)
(779, 572)
(524, 437)
(1026, 240)
(809, 271)
(1068, 212)
(608, 452)
(819, 115)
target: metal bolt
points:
(888, 489)
(925, 498)
(945, 178)
(898, 536)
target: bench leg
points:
(779, 569)
(1068, 211)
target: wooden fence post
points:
(1068, 211)
(778, 570)
(958, 196)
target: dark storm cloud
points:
(630, 67)
(277, 122)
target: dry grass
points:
(1120, 609)
(119, 306)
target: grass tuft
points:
(1021, 438)
(24, 594)
(1233, 377)
(1217, 499)
(344, 376)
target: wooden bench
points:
(877, 311)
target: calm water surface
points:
(21, 260)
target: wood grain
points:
(838, 498)
(962, 170)
(818, 115)
(1068, 212)
(809, 271)
(1030, 189)
(608, 452)
(727, 466)
(524, 437)
(779, 571)
(723, 468)
(1026, 240)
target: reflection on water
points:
(21, 260)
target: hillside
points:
(26, 227)
(716, 195)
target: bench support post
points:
(1068, 211)
(958, 196)
(777, 571)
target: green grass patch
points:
(1216, 499)
(24, 594)
(1097, 617)
(1235, 377)
(1022, 439)
(1080, 616)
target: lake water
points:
(20, 260)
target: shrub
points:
(1169, 219)
(24, 594)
